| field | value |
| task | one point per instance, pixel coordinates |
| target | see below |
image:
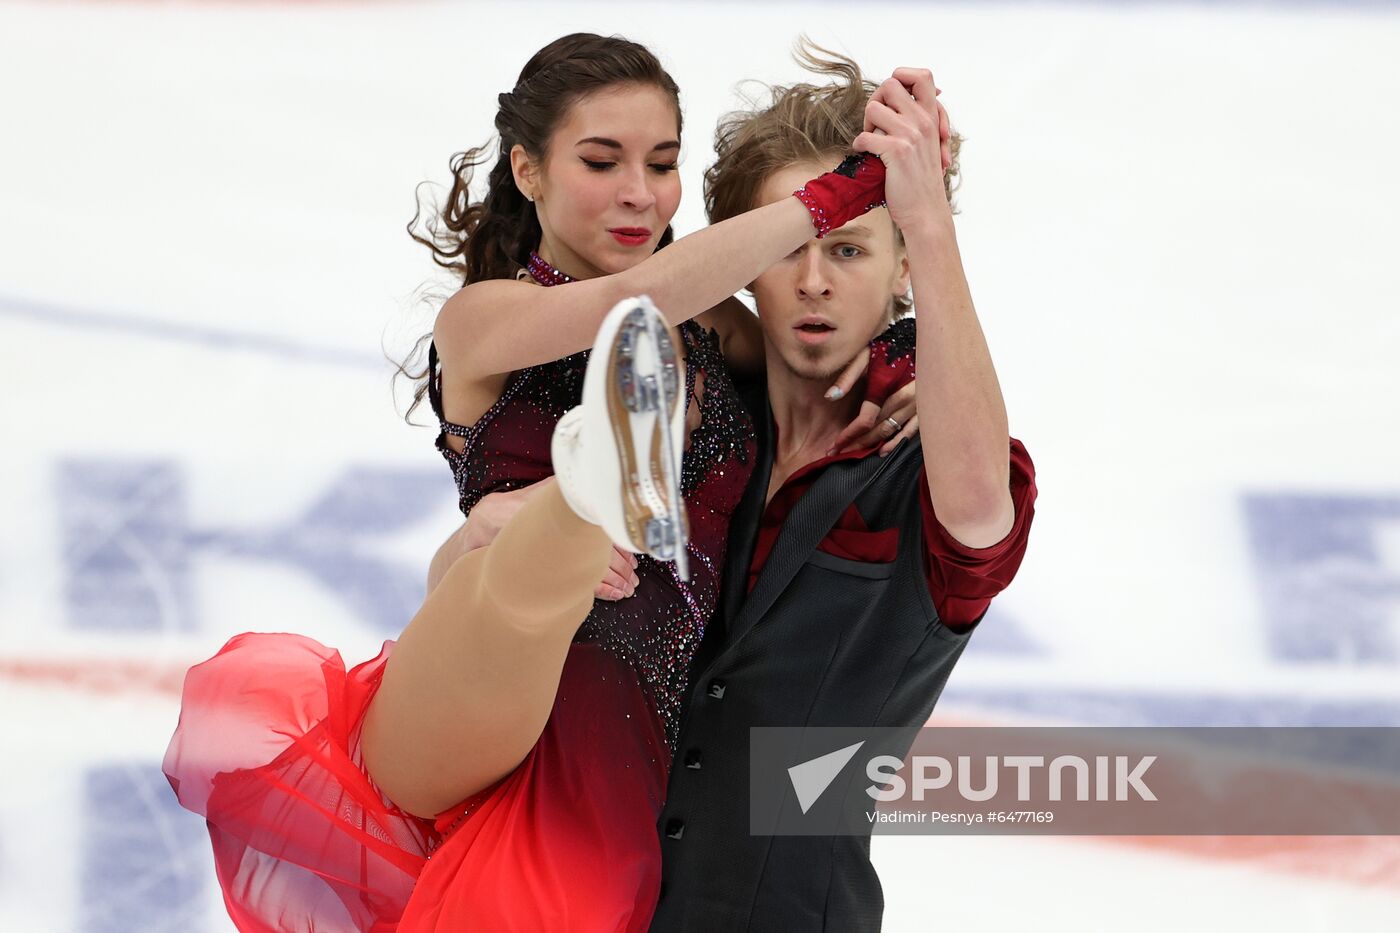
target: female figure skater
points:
(501, 766)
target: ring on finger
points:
(895, 426)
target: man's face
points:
(823, 303)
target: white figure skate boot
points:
(617, 455)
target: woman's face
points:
(608, 186)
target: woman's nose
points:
(635, 192)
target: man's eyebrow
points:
(614, 144)
(852, 230)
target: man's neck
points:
(808, 422)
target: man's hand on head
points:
(908, 129)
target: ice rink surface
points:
(1179, 223)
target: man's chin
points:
(815, 364)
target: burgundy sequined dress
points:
(267, 747)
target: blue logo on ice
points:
(811, 778)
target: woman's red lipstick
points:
(630, 236)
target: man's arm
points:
(963, 418)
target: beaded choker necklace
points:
(546, 274)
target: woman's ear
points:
(523, 168)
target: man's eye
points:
(846, 251)
(598, 166)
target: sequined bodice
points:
(657, 630)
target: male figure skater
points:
(853, 580)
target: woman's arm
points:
(499, 326)
(487, 328)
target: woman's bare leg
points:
(473, 677)
(471, 682)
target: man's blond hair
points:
(801, 123)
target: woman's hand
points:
(872, 424)
(490, 515)
(889, 392)
(908, 129)
(620, 580)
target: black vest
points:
(821, 641)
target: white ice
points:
(1179, 223)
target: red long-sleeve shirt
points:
(961, 580)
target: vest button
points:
(717, 689)
(675, 828)
(692, 759)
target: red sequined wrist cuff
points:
(837, 197)
(819, 219)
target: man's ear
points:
(900, 286)
(525, 172)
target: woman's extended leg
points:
(472, 679)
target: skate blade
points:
(639, 403)
(672, 529)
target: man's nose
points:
(812, 281)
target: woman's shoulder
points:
(464, 307)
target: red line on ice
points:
(106, 676)
(1367, 861)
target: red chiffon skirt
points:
(267, 751)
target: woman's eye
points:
(598, 166)
(664, 167)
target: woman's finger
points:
(849, 376)
(901, 404)
(903, 417)
(881, 430)
(621, 565)
(628, 557)
(620, 579)
(910, 430)
(898, 409)
(612, 588)
(624, 585)
(904, 395)
(857, 428)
